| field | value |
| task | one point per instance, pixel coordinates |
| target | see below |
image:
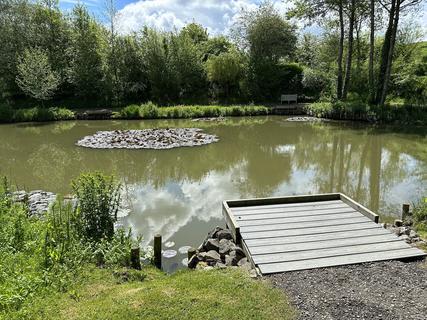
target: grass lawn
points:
(214, 294)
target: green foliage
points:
(39, 257)
(420, 216)
(99, 199)
(151, 111)
(226, 70)
(35, 76)
(7, 114)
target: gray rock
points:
(224, 234)
(231, 260)
(413, 234)
(225, 246)
(406, 238)
(398, 223)
(239, 253)
(220, 265)
(244, 264)
(214, 233)
(211, 244)
(212, 257)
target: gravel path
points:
(381, 290)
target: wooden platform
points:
(315, 231)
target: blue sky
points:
(216, 15)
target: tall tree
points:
(371, 51)
(394, 9)
(35, 76)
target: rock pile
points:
(38, 201)
(147, 139)
(405, 232)
(219, 250)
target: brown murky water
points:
(178, 192)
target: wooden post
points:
(191, 252)
(405, 210)
(158, 251)
(135, 261)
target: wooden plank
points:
(341, 260)
(316, 237)
(282, 200)
(329, 252)
(296, 209)
(326, 217)
(304, 224)
(231, 222)
(287, 205)
(335, 243)
(357, 206)
(293, 214)
(307, 231)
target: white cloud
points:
(215, 15)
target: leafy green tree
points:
(88, 53)
(35, 76)
(265, 52)
(226, 70)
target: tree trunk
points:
(340, 51)
(350, 49)
(371, 53)
(385, 52)
(390, 55)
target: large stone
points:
(239, 253)
(224, 234)
(406, 238)
(214, 232)
(398, 223)
(244, 264)
(212, 257)
(231, 260)
(413, 234)
(225, 246)
(211, 244)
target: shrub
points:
(420, 216)
(130, 112)
(99, 198)
(149, 111)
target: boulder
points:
(214, 233)
(231, 260)
(413, 234)
(406, 238)
(211, 244)
(239, 253)
(212, 257)
(244, 264)
(398, 223)
(224, 234)
(225, 246)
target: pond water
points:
(178, 192)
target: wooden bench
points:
(289, 98)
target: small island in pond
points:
(147, 139)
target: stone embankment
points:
(38, 201)
(219, 250)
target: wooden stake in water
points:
(158, 251)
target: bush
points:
(35, 114)
(130, 112)
(149, 111)
(99, 198)
(420, 216)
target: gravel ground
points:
(381, 290)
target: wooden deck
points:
(315, 231)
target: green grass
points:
(358, 110)
(38, 114)
(216, 294)
(152, 111)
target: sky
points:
(215, 15)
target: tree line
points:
(73, 58)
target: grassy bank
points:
(215, 294)
(143, 111)
(72, 264)
(360, 111)
(420, 218)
